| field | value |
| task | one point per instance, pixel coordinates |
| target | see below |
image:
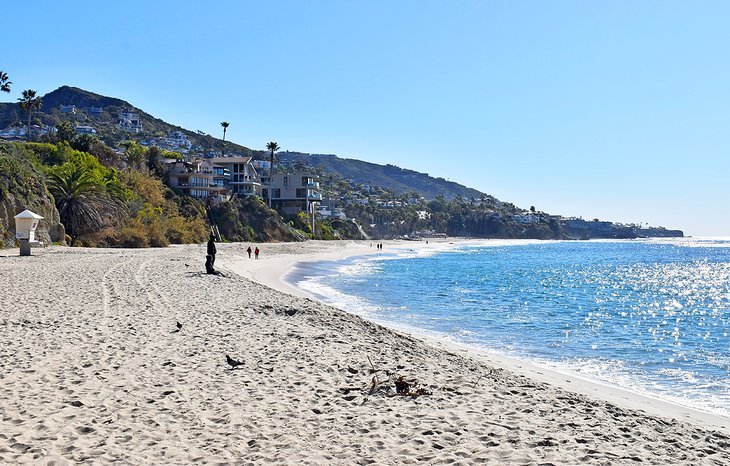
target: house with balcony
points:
(216, 179)
(292, 193)
(85, 129)
(238, 175)
(197, 179)
(176, 141)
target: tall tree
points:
(134, 155)
(272, 147)
(4, 83)
(224, 124)
(29, 101)
(81, 198)
(65, 131)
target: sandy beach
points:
(95, 371)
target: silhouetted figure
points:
(209, 265)
(249, 252)
(232, 362)
(212, 250)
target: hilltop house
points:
(175, 141)
(178, 139)
(324, 211)
(85, 129)
(527, 217)
(129, 121)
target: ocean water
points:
(651, 316)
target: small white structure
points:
(26, 223)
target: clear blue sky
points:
(616, 110)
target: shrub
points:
(133, 235)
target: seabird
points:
(232, 362)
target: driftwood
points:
(394, 384)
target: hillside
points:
(400, 180)
(388, 176)
(472, 213)
(106, 121)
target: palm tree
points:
(82, 199)
(134, 155)
(28, 102)
(224, 124)
(4, 83)
(273, 147)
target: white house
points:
(129, 121)
(84, 129)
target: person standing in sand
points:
(211, 249)
(256, 252)
(249, 252)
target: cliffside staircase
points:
(213, 227)
(215, 232)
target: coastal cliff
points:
(22, 187)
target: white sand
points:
(91, 373)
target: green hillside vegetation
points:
(90, 203)
(22, 186)
(101, 206)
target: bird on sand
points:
(232, 362)
(179, 327)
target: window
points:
(301, 192)
(276, 193)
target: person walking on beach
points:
(249, 252)
(256, 253)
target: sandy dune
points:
(93, 372)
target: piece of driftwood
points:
(394, 384)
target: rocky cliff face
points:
(22, 187)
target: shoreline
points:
(277, 271)
(98, 371)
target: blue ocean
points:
(651, 316)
